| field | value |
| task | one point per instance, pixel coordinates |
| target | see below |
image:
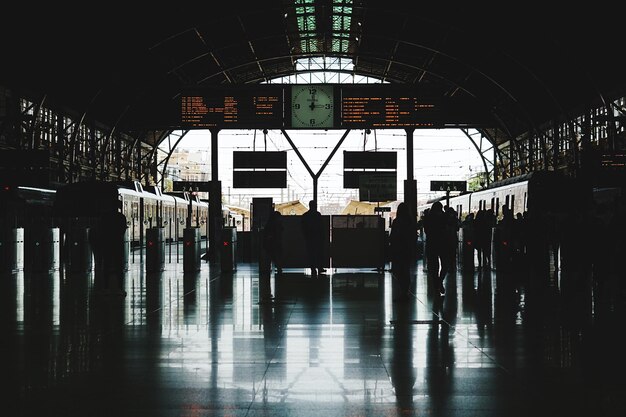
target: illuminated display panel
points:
(386, 106)
(233, 107)
(372, 106)
(614, 161)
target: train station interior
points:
(131, 284)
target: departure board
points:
(385, 106)
(346, 106)
(235, 108)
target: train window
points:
(525, 201)
(492, 203)
(497, 206)
(506, 201)
(513, 204)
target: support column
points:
(313, 175)
(215, 202)
(409, 154)
(410, 185)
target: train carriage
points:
(539, 192)
(141, 208)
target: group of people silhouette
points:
(523, 239)
(312, 230)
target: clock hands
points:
(320, 110)
(312, 106)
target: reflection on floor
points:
(245, 344)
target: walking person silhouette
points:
(402, 239)
(273, 240)
(435, 228)
(313, 237)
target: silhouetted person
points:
(313, 237)
(468, 223)
(427, 255)
(436, 239)
(538, 245)
(519, 240)
(483, 225)
(402, 240)
(469, 242)
(107, 242)
(506, 231)
(273, 240)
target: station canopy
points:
(525, 63)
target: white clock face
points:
(312, 106)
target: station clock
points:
(312, 106)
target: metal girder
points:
(163, 163)
(149, 166)
(256, 58)
(483, 146)
(394, 50)
(35, 122)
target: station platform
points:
(209, 344)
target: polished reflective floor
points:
(215, 344)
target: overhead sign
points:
(613, 161)
(378, 186)
(254, 159)
(384, 209)
(326, 106)
(191, 186)
(448, 186)
(259, 169)
(260, 179)
(233, 107)
(384, 106)
(367, 160)
(364, 167)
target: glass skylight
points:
(310, 40)
(327, 69)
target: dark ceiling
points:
(524, 65)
